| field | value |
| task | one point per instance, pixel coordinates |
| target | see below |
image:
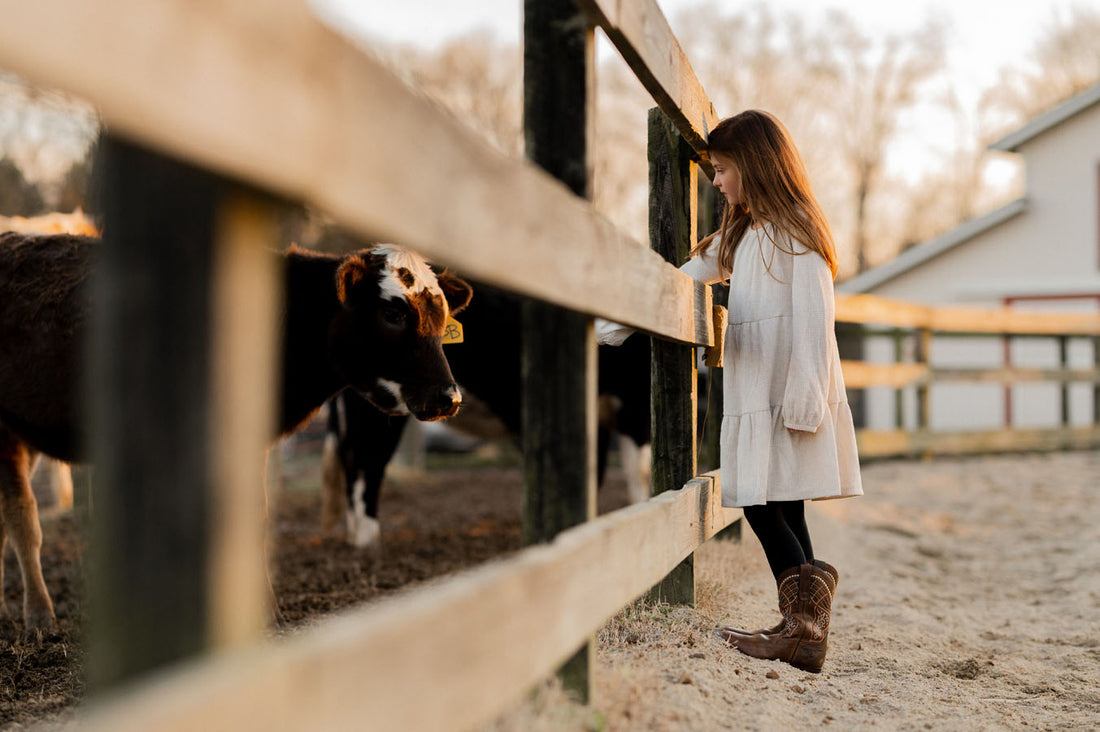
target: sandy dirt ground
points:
(969, 599)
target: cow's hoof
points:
(364, 532)
(39, 626)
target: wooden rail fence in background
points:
(926, 323)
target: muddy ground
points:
(462, 510)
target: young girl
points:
(787, 432)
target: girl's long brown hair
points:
(774, 188)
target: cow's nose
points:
(450, 398)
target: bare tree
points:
(1064, 61)
(479, 80)
(840, 91)
(873, 84)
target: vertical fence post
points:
(559, 349)
(154, 380)
(246, 340)
(710, 218)
(1063, 363)
(924, 356)
(1006, 345)
(672, 229)
(1096, 385)
(899, 393)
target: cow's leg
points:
(19, 514)
(372, 439)
(603, 447)
(52, 484)
(334, 489)
(636, 469)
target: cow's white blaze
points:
(393, 388)
(362, 530)
(398, 258)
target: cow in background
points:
(52, 479)
(360, 441)
(372, 320)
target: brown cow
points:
(372, 320)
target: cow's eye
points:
(393, 316)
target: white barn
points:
(1038, 252)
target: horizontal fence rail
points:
(265, 93)
(640, 32)
(445, 656)
(968, 320)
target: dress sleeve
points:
(805, 400)
(704, 267)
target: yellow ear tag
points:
(452, 331)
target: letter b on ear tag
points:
(452, 331)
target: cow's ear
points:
(349, 274)
(457, 292)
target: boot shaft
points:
(805, 601)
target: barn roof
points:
(921, 253)
(1051, 118)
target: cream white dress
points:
(782, 370)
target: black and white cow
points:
(372, 321)
(360, 440)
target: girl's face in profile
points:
(727, 178)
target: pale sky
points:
(986, 34)
(983, 37)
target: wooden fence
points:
(261, 100)
(216, 110)
(901, 320)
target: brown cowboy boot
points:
(729, 633)
(805, 599)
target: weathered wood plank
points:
(874, 309)
(558, 345)
(247, 291)
(673, 216)
(640, 32)
(475, 641)
(1012, 375)
(896, 443)
(861, 374)
(265, 93)
(150, 366)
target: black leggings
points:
(781, 528)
